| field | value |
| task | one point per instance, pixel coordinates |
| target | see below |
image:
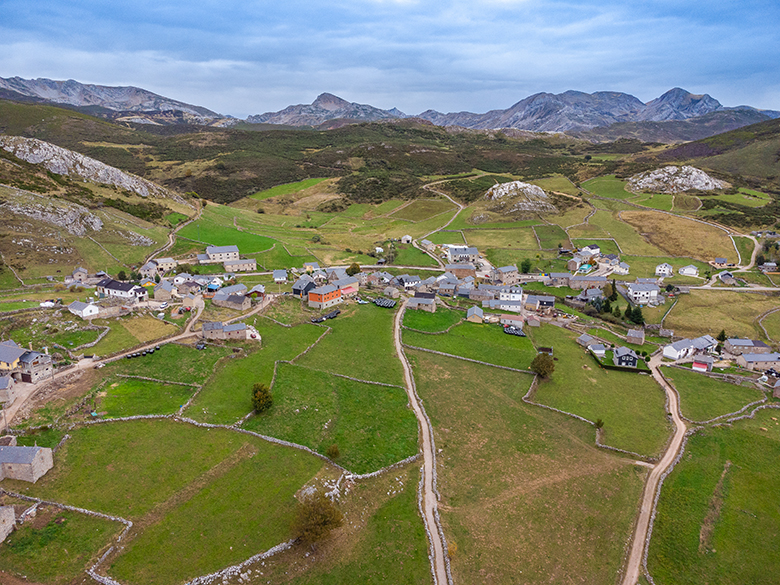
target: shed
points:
(475, 315)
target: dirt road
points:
(429, 459)
(634, 565)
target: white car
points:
(164, 305)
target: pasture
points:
(436, 322)
(709, 312)
(173, 362)
(717, 507)
(131, 396)
(521, 238)
(371, 425)
(550, 236)
(703, 398)
(524, 494)
(421, 209)
(630, 404)
(482, 342)
(286, 189)
(607, 186)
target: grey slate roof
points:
(5, 382)
(10, 352)
(78, 306)
(221, 249)
(475, 311)
(213, 326)
(322, 290)
(761, 357)
(280, 275)
(22, 455)
(234, 327)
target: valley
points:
(622, 433)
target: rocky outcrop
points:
(66, 162)
(75, 218)
(673, 179)
(518, 196)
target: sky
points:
(249, 57)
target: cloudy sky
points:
(250, 56)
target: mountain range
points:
(675, 116)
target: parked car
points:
(200, 345)
(317, 319)
(164, 304)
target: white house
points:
(379, 250)
(406, 239)
(643, 294)
(108, 287)
(689, 270)
(511, 294)
(84, 310)
(621, 268)
(664, 270)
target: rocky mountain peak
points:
(330, 102)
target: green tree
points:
(616, 312)
(606, 307)
(122, 275)
(316, 517)
(261, 398)
(157, 278)
(599, 423)
(627, 313)
(333, 452)
(637, 317)
(353, 269)
(525, 266)
(613, 295)
(543, 365)
(722, 335)
(134, 276)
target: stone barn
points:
(7, 521)
(25, 463)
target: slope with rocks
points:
(671, 179)
(62, 161)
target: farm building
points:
(25, 463)
(740, 346)
(324, 297)
(416, 303)
(428, 245)
(598, 350)
(219, 330)
(238, 302)
(580, 282)
(10, 353)
(702, 363)
(406, 239)
(391, 292)
(240, 265)
(759, 361)
(622, 268)
(689, 270)
(539, 302)
(585, 340)
(149, 270)
(84, 310)
(348, 286)
(280, 276)
(189, 287)
(515, 320)
(80, 274)
(506, 275)
(636, 336)
(664, 269)
(558, 279)
(457, 254)
(643, 294)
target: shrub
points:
(316, 517)
(261, 398)
(543, 365)
(333, 452)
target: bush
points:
(261, 398)
(333, 452)
(543, 365)
(316, 517)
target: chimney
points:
(46, 350)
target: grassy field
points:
(189, 500)
(382, 541)
(525, 496)
(522, 238)
(662, 201)
(217, 229)
(611, 337)
(127, 332)
(173, 362)
(55, 548)
(703, 398)
(360, 345)
(550, 236)
(408, 255)
(718, 506)
(644, 267)
(607, 186)
(371, 425)
(286, 189)
(772, 324)
(226, 396)
(747, 197)
(422, 209)
(129, 397)
(607, 246)
(445, 237)
(441, 320)
(709, 312)
(626, 236)
(557, 183)
(745, 247)
(631, 405)
(681, 237)
(482, 342)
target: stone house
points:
(506, 275)
(636, 336)
(164, 291)
(416, 303)
(149, 270)
(740, 346)
(406, 239)
(35, 367)
(219, 330)
(539, 303)
(25, 463)
(165, 265)
(759, 361)
(461, 270)
(217, 254)
(80, 274)
(457, 254)
(558, 279)
(580, 282)
(238, 302)
(240, 265)
(391, 292)
(188, 301)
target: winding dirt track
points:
(429, 500)
(634, 565)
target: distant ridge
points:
(326, 107)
